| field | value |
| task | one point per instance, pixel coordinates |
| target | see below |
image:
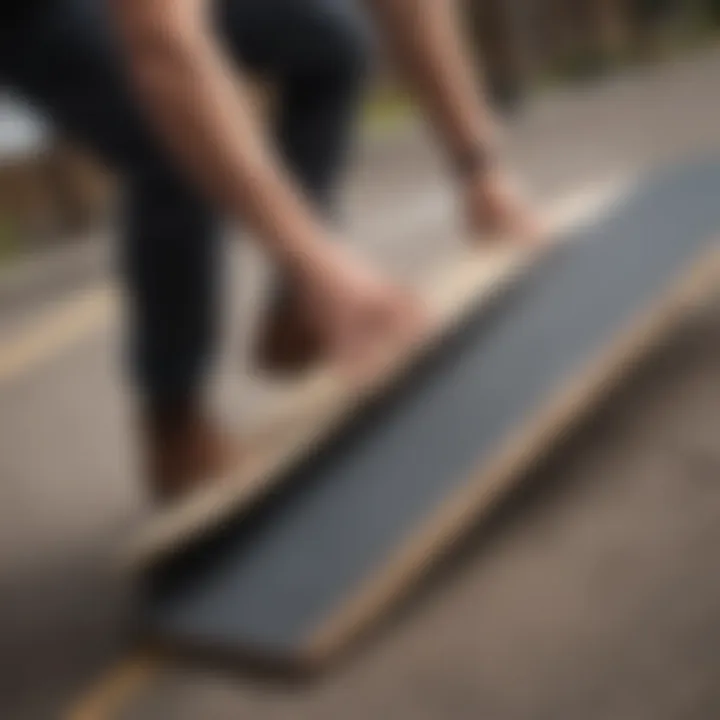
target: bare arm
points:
(426, 38)
(199, 105)
(197, 102)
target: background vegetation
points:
(55, 192)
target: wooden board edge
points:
(517, 456)
(462, 286)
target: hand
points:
(359, 316)
(495, 208)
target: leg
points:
(319, 107)
(63, 59)
(317, 52)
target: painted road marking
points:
(122, 684)
(115, 690)
(58, 329)
(55, 330)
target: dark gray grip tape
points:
(266, 584)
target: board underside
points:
(354, 524)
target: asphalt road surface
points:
(593, 594)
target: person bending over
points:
(157, 89)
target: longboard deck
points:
(363, 518)
(316, 408)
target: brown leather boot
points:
(288, 344)
(184, 450)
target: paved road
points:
(595, 596)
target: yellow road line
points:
(56, 330)
(68, 322)
(116, 689)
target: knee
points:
(299, 39)
(339, 43)
(349, 46)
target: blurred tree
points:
(500, 50)
(714, 10)
(652, 21)
(652, 11)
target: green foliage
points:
(9, 240)
(713, 11)
(584, 65)
(386, 110)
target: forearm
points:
(201, 109)
(426, 39)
